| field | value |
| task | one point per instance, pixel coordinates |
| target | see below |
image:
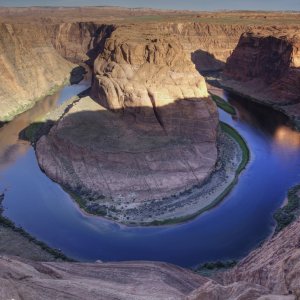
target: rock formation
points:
(140, 69)
(153, 134)
(127, 280)
(275, 265)
(30, 67)
(265, 66)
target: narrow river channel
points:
(231, 230)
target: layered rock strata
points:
(127, 280)
(275, 265)
(30, 67)
(265, 66)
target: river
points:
(229, 231)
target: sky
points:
(168, 4)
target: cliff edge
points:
(265, 66)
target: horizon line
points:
(148, 8)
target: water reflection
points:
(10, 146)
(272, 123)
(285, 136)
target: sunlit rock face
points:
(265, 66)
(144, 70)
(30, 67)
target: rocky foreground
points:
(270, 272)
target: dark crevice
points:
(158, 118)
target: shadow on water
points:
(11, 146)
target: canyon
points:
(146, 131)
(30, 68)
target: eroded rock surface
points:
(275, 265)
(140, 69)
(30, 67)
(127, 158)
(266, 67)
(125, 280)
(270, 272)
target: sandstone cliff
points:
(30, 67)
(32, 33)
(79, 42)
(275, 265)
(209, 45)
(140, 69)
(265, 66)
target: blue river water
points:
(229, 231)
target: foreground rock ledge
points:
(271, 272)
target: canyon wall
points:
(30, 67)
(32, 53)
(79, 42)
(208, 40)
(265, 66)
(209, 45)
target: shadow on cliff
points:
(206, 62)
(35, 130)
(258, 115)
(136, 127)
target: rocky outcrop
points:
(152, 134)
(124, 280)
(269, 272)
(140, 69)
(265, 67)
(275, 265)
(30, 67)
(79, 42)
